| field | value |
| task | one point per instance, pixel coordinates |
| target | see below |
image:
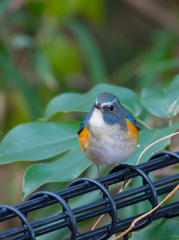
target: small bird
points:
(109, 133)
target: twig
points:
(170, 122)
(143, 123)
(156, 12)
(146, 214)
(97, 222)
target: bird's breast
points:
(105, 144)
(105, 149)
(99, 128)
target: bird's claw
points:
(106, 186)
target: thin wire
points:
(146, 214)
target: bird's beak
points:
(97, 105)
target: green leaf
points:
(64, 169)
(64, 56)
(146, 138)
(18, 80)
(165, 230)
(68, 102)
(112, 237)
(64, 9)
(22, 41)
(92, 53)
(3, 6)
(162, 102)
(37, 141)
(161, 66)
(44, 69)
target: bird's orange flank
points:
(83, 138)
(132, 130)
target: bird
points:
(108, 134)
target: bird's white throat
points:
(97, 119)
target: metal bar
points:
(97, 208)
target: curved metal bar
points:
(158, 160)
(23, 218)
(117, 168)
(126, 237)
(154, 200)
(163, 153)
(167, 154)
(106, 194)
(73, 226)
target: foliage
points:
(57, 142)
(162, 102)
(166, 229)
(40, 141)
(53, 47)
(82, 102)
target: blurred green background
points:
(56, 46)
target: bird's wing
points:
(82, 125)
(132, 120)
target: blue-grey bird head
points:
(112, 110)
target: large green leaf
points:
(162, 102)
(147, 137)
(83, 102)
(166, 230)
(37, 141)
(63, 169)
(112, 237)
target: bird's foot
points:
(106, 186)
(124, 184)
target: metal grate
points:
(109, 204)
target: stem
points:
(170, 123)
(143, 123)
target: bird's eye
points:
(111, 108)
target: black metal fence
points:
(108, 204)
